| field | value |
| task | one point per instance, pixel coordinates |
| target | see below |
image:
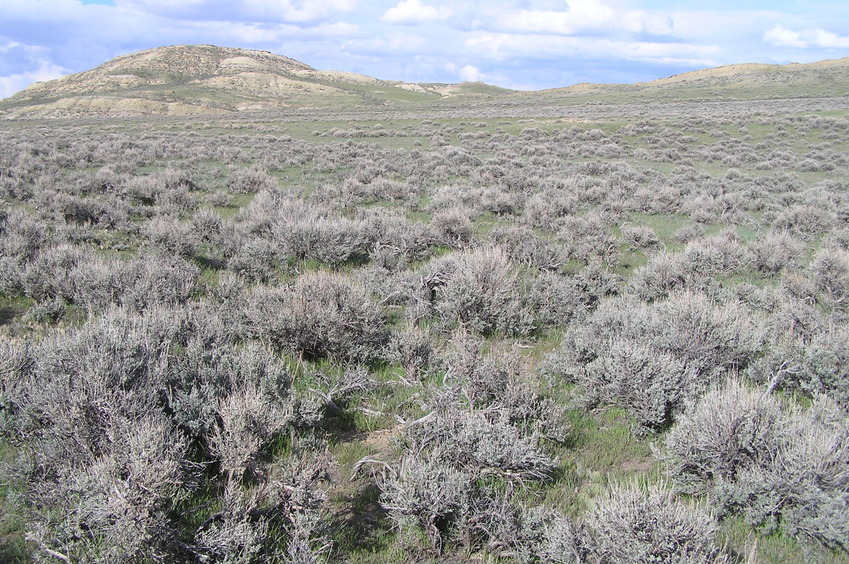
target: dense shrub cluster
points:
(778, 466)
(478, 289)
(650, 359)
(321, 314)
(445, 479)
(122, 417)
(634, 525)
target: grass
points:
(362, 531)
(13, 545)
(775, 548)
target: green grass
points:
(665, 226)
(13, 545)
(775, 548)
(603, 450)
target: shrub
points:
(543, 535)
(235, 535)
(390, 233)
(651, 358)
(496, 381)
(824, 365)
(454, 226)
(207, 225)
(49, 274)
(545, 209)
(74, 209)
(556, 300)
(170, 237)
(479, 291)
(480, 443)
(664, 273)
(639, 236)
(813, 364)
(23, 235)
(722, 254)
(278, 519)
(413, 348)
(587, 239)
(114, 504)
(255, 259)
(649, 383)
(440, 483)
(776, 251)
(140, 283)
(117, 415)
(806, 221)
(802, 486)
(830, 273)
(249, 180)
(630, 524)
(322, 314)
(11, 284)
(332, 241)
(523, 246)
(690, 232)
(777, 466)
(426, 494)
(246, 423)
(213, 372)
(728, 430)
(105, 467)
(707, 336)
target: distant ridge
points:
(750, 81)
(205, 80)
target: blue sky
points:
(524, 44)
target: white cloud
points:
(294, 11)
(819, 38)
(783, 37)
(390, 43)
(414, 11)
(16, 82)
(298, 10)
(470, 73)
(829, 40)
(506, 46)
(654, 23)
(582, 17)
(338, 29)
(467, 73)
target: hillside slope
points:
(206, 80)
(824, 79)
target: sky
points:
(520, 44)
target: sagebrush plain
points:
(603, 324)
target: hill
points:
(824, 79)
(204, 79)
